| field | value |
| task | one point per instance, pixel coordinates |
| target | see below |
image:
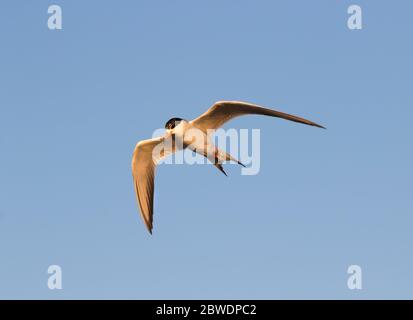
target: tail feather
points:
(220, 167)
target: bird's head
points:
(172, 123)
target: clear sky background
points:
(73, 104)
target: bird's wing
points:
(224, 111)
(145, 157)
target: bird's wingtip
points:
(319, 126)
(149, 227)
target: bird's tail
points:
(220, 168)
(221, 156)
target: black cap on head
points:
(172, 123)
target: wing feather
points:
(223, 111)
(145, 157)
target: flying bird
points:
(148, 153)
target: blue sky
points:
(74, 103)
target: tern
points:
(148, 153)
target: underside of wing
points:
(145, 157)
(223, 111)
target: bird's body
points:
(199, 141)
(195, 135)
